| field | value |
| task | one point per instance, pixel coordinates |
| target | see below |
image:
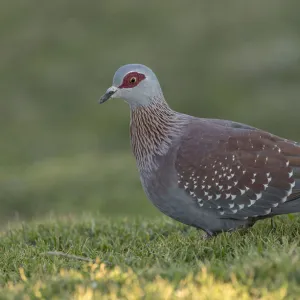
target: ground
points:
(156, 258)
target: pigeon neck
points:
(150, 130)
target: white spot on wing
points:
(268, 211)
(251, 202)
(258, 196)
(293, 185)
(242, 191)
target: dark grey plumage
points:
(211, 174)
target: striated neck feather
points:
(151, 130)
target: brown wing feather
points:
(239, 172)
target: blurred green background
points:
(61, 152)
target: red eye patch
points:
(131, 80)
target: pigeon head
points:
(136, 84)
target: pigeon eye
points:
(132, 80)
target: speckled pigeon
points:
(212, 174)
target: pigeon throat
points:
(151, 129)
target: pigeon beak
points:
(108, 94)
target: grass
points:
(90, 181)
(157, 258)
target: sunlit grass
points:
(155, 258)
(96, 281)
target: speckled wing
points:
(238, 171)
